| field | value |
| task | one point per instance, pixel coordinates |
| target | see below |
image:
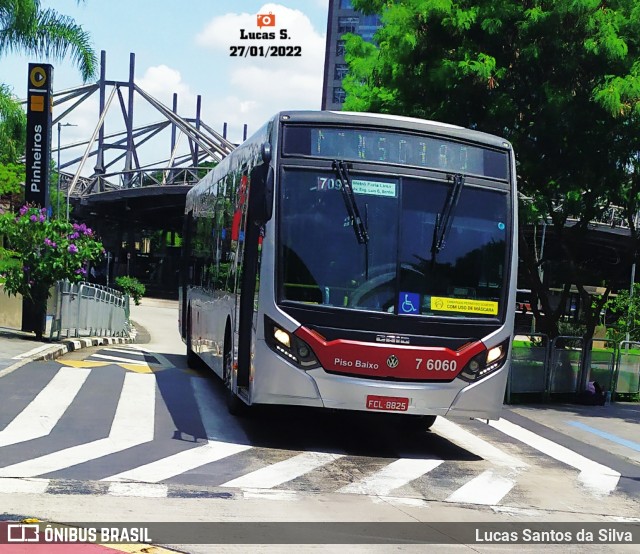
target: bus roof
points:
(392, 121)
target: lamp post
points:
(60, 126)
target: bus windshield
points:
(396, 270)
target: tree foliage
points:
(26, 27)
(13, 130)
(132, 287)
(624, 310)
(43, 251)
(560, 80)
(12, 177)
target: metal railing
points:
(553, 367)
(627, 371)
(87, 309)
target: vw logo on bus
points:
(392, 361)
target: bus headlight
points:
(282, 337)
(485, 363)
(289, 346)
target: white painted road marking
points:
(133, 424)
(392, 476)
(488, 489)
(41, 415)
(144, 490)
(23, 486)
(125, 351)
(118, 359)
(476, 445)
(181, 462)
(596, 477)
(281, 472)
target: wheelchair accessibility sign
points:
(409, 303)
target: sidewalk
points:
(18, 348)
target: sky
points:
(184, 46)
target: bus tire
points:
(416, 424)
(235, 406)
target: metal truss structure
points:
(116, 158)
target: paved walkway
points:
(18, 348)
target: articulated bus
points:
(355, 261)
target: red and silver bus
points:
(355, 261)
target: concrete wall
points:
(10, 310)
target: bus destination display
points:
(396, 148)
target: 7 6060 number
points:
(436, 365)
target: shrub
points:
(131, 286)
(42, 251)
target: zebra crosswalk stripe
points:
(133, 351)
(23, 486)
(276, 474)
(476, 445)
(145, 490)
(596, 477)
(132, 424)
(392, 476)
(488, 488)
(173, 465)
(41, 415)
(119, 359)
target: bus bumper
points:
(279, 382)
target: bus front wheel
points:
(235, 406)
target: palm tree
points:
(27, 28)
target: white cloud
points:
(162, 81)
(262, 86)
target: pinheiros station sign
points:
(39, 122)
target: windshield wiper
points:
(359, 227)
(445, 218)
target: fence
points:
(554, 367)
(628, 368)
(88, 309)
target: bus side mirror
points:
(266, 152)
(262, 178)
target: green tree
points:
(12, 127)
(12, 177)
(132, 287)
(560, 80)
(42, 252)
(623, 312)
(28, 28)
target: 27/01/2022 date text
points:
(265, 51)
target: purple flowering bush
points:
(43, 251)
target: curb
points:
(69, 345)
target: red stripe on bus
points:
(413, 363)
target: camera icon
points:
(266, 20)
